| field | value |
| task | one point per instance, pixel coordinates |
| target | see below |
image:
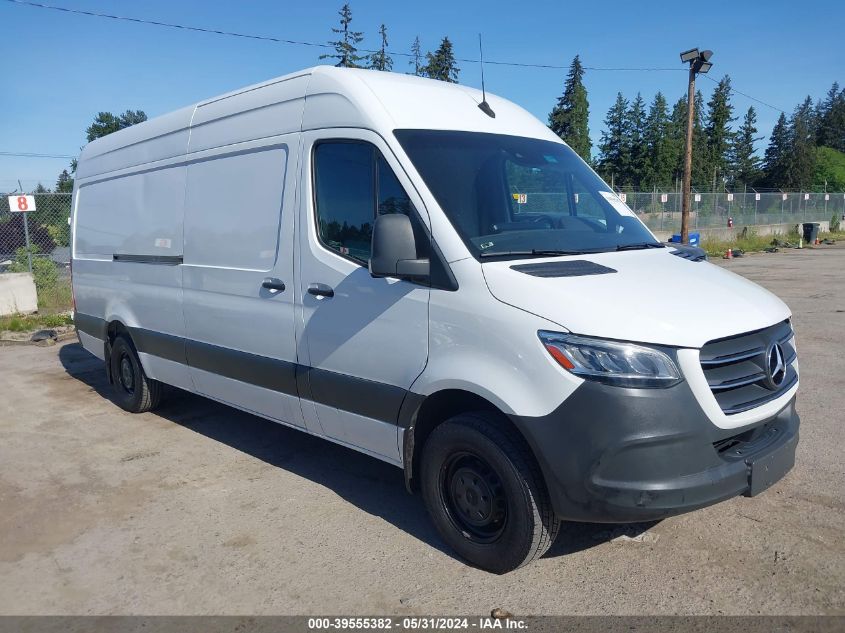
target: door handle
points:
(273, 284)
(320, 290)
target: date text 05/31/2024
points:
(415, 623)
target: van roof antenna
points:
(484, 106)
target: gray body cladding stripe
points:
(363, 397)
(161, 260)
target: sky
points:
(60, 69)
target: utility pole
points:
(698, 63)
(688, 159)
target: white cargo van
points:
(375, 259)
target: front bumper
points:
(616, 455)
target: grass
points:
(753, 243)
(56, 297)
(749, 243)
(28, 322)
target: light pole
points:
(698, 63)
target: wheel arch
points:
(420, 415)
(113, 329)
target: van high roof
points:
(337, 97)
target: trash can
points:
(694, 238)
(811, 232)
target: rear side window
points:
(353, 182)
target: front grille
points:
(736, 367)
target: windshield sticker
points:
(620, 207)
(485, 245)
(521, 198)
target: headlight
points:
(620, 364)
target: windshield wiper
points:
(532, 253)
(639, 246)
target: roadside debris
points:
(43, 335)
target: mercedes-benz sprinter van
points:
(439, 282)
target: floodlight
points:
(690, 55)
(703, 67)
(706, 55)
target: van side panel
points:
(241, 343)
(137, 214)
(127, 240)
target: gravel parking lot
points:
(199, 508)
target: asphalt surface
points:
(199, 508)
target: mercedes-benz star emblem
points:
(775, 367)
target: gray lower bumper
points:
(610, 454)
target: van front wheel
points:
(485, 493)
(133, 390)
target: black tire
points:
(133, 390)
(485, 493)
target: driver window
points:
(352, 183)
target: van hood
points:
(649, 296)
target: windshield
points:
(509, 196)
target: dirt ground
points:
(199, 508)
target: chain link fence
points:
(38, 241)
(662, 211)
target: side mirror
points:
(394, 249)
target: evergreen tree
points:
(831, 120)
(802, 150)
(346, 48)
(702, 171)
(614, 147)
(636, 142)
(702, 168)
(718, 129)
(660, 158)
(776, 158)
(416, 57)
(677, 139)
(569, 118)
(380, 60)
(744, 162)
(64, 184)
(441, 64)
(105, 123)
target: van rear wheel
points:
(485, 493)
(134, 391)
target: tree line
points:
(440, 64)
(642, 146)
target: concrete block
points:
(17, 294)
(730, 234)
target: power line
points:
(166, 24)
(280, 40)
(34, 155)
(748, 96)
